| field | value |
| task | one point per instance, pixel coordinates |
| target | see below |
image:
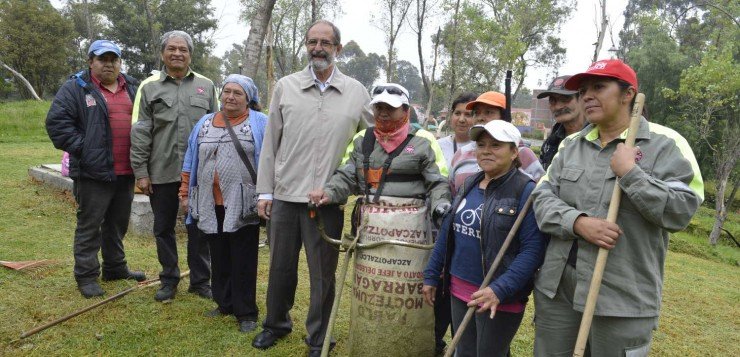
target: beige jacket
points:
(307, 133)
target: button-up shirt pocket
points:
(162, 111)
(199, 107)
(570, 180)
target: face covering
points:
(391, 133)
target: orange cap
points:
(495, 99)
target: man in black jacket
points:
(90, 118)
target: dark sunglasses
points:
(390, 89)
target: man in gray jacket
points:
(313, 115)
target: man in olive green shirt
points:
(167, 106)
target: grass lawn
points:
(700, 315)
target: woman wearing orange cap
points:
(662, 189)
(488, 106)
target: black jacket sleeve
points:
(63, 122)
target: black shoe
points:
(440, 347)
(165, 293)
(317, 352)
(247, 326)
(92, 289)
(203, 291)
(265, 340)
(128, 275)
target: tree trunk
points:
(269, 64)
(720, 214)
(256, 36)
(22, 79)
(154, 39)
(453, 53)
(434, 69)
(313, 11)
(86, 10)
(720, 206)
(421, 9)
(601, 32)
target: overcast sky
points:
(578, 34)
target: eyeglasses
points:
(390, 89)
(324, 43)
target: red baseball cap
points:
(612, 68)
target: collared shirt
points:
(322, 85)
(119, 115)
(164, 113)
(660, 195)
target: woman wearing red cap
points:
(662, 189)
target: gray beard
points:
(320, 64)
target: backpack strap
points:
(368, 143)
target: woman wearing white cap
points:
(472, 232)
(398, 169)
(419, 170)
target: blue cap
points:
(102, 46)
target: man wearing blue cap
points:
(90, 118)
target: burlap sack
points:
(389, 316)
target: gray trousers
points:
(484, 337)
(290, 227)
(103, 210)
(557, 324)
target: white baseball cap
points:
(392, 94)
(499, 129)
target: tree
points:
(658, 61)
(35, 41)
(393, 15)
(601, 30)
(423, 9)
(22, 79)
(407, 75)
(257, 31)
(686, 55)
(353, 62)
(88, 27)
(710, 95)
(138, 25)
(501, 35)
(289, 22)
(230, 64)
(523, 100)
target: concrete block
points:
(50, 176)
(141, 221)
